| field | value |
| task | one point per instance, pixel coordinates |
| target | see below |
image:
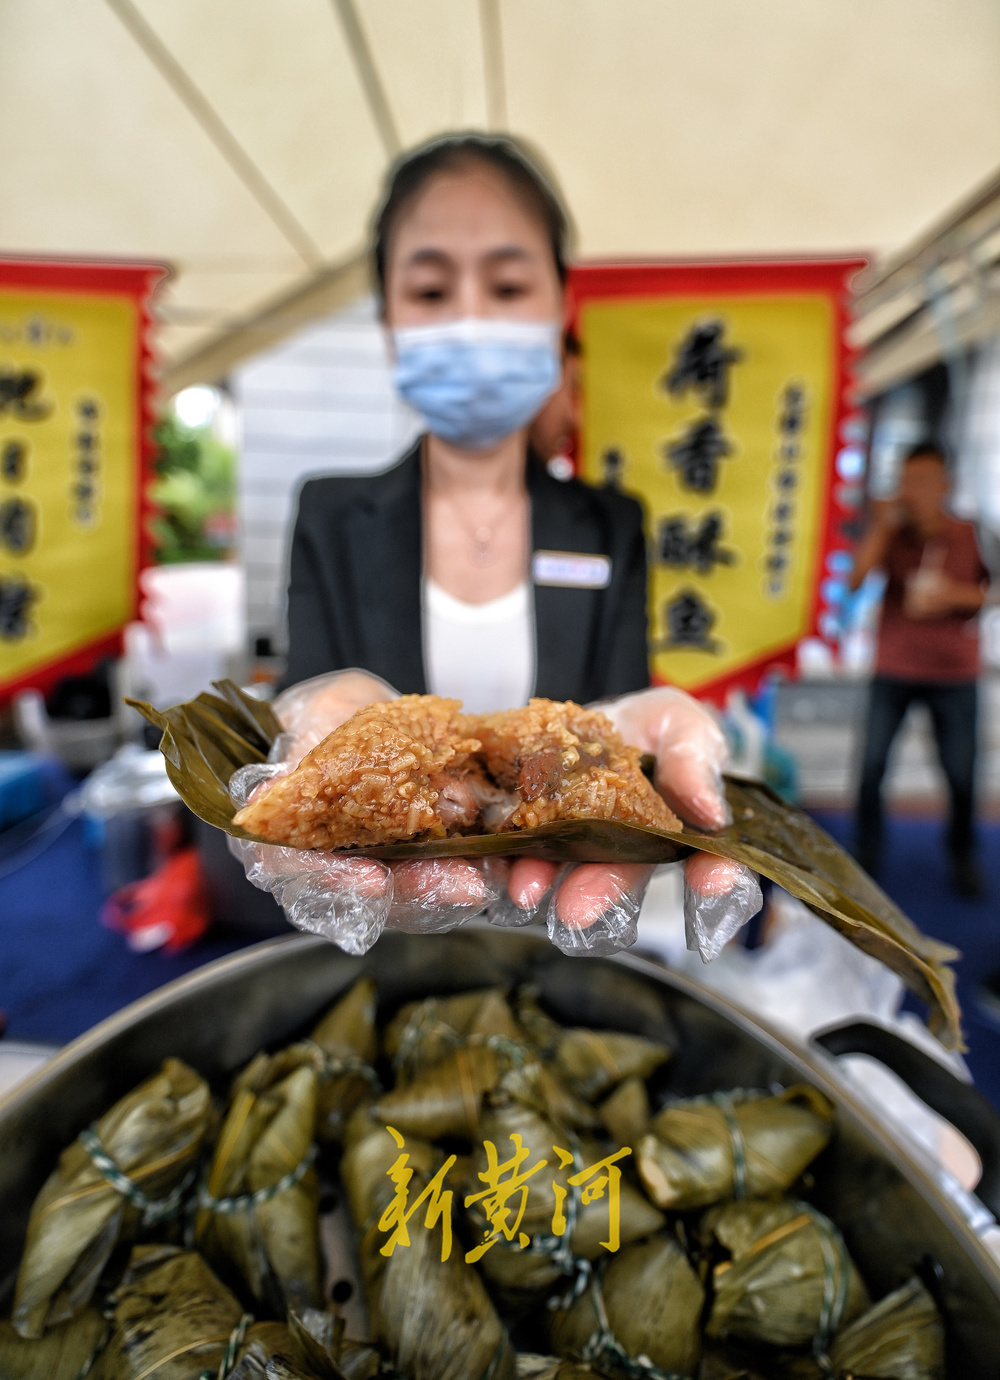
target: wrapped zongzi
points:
(259, 1209)
(344, 1045)
(902, 1337)
(172, 1319)
(62, 1354)
(433, 1317)
(731, 1145)
(789, 1279)
(129, 1168)
(646, 1302)
(592, 1062)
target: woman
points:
(467, 570)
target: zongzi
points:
(626, 1112)
(433, 1317)
(789, 1279)
(645, 1303)
(129, 1168)
(901, 1337)
(592, 1062)
(64, 1353)
(416, 767)
(347, 1043)
(708, 1149)
(172, 1318)
(259, 1210)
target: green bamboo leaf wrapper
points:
(433, 1318)
(154, 1134)
(688, 1157)
(172, 1319)
(653, 1301)
(369, 1153)
(536, 1085)
(422, 1032)
(206, 739)
(531, 1366)
(626, 1112)
(60, 1355)
(445, 1099)
(272, 1349)
(274, 1245)
(900, 1338)
(323, 1347)
(345, 1035)
(773, 1288)
(508, 1268)
(592, 1062)
(638, 1217)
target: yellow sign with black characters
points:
(71, 464)
(718, 409)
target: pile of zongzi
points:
(526, 1202)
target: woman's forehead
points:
(467, 209)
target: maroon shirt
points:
(931, 649)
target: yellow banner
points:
(69, 473)
(716, 411)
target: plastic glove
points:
(593, 907)
(590, 907)
(313, 708)
(351, 900)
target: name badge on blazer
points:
(571, 569)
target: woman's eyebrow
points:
(429, 255)
(508, 251)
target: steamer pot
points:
(894, 1215)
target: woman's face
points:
(468, 246)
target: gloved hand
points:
(590, 907)
(594, 907)
(351, 900)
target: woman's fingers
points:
(720, 896)
(439, 881)
(435, 895)
(690, 782)
(529, 881)
(689, 746)
(591, 890)
(711, 876)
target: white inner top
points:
(481, 654)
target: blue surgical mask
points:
(477, 380)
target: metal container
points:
(893, 1214)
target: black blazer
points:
(355, 573)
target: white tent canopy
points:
(243, 141)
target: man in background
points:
(928, 650)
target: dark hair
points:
(927, 450)
(452, 152)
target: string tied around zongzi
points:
(153, 1209)
(604, 1346)
(244, 1202)
(337, 1065)
(425, 1024)
(739, 1146)
(228, 1363)
(836, 1282)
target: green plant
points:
(194, 491)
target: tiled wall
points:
(320, 403)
